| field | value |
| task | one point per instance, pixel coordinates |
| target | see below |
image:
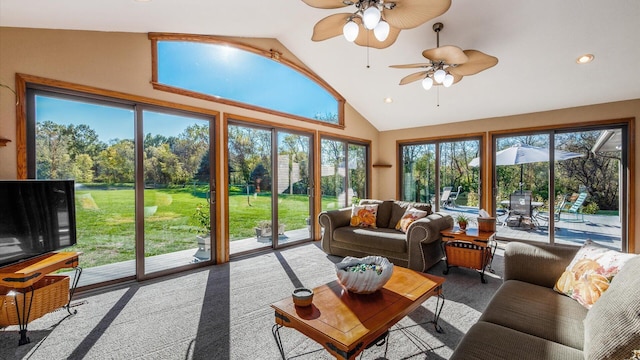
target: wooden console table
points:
(23, 277)
(471, 248)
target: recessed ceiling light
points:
(584, 59)
(388, 100)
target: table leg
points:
(275, 330)
(24, 319)
(73, 289)
(436, 314)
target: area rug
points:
(223, 312)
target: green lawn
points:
(106, 226)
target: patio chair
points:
(448, 198)
(573, 208)
(520, 211)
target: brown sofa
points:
(527, 319)
(418, 249)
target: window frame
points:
(269, 54)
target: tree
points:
(116, 162)
(191, 146)
(52, 150)
(164, 167)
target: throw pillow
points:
(364, 215)
(411, 215)
(590, 273)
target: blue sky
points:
(109, 122)
(240, 75)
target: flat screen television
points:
(36, 217)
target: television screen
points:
(36, 217)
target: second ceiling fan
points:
(447, 64)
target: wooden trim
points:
(21, 126)
(632, 240)
(3, 141)
(382, 165)
(317, 188)
(222, 247)
(328, 135)
(270, 54)
(272, 124)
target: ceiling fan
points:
(384, 18)
(447, 64)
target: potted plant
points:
(462, 220)
(204, 234)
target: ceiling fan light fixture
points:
(381, 31)
(350, 31)
(371, 17)
(427, 83)
(448, 80)
(439, 76)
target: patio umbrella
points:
(520, 154)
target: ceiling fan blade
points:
(413, 77)
(478, 61)
(368, 39)
(329, 27)
(325, 4)
(449, 54)
(411, 66)
(408, 14)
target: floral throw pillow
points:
(590, 272)
(411, 215)
(364, 215)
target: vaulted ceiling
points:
(537, 44)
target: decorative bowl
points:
(302, 296)
(364, 275)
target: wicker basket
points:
(487, 224)
(50, 293)
(466, 254)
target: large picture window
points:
(223, 71)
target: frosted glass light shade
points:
(448, 80)
(350, 31)
(439, 75)
(427, 83)
(381, 31)
(371, 17)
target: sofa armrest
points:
(331, 220)
(539, 264)
(425, 231)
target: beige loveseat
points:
(418, 249)
(527, 319)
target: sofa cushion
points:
(364, 215)
(370, 240)
(384, 211)
(538, 311)
(612, 327)
(490, 341)
(588, 275)
(399, 207)
(410, 215)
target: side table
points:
(472, 249)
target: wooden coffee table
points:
(346, 323)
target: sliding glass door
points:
(344, 172)
(270, 182)
(142, 180)
(294, 187)
(575, 180)
(177, 191)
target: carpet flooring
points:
(223, 312)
